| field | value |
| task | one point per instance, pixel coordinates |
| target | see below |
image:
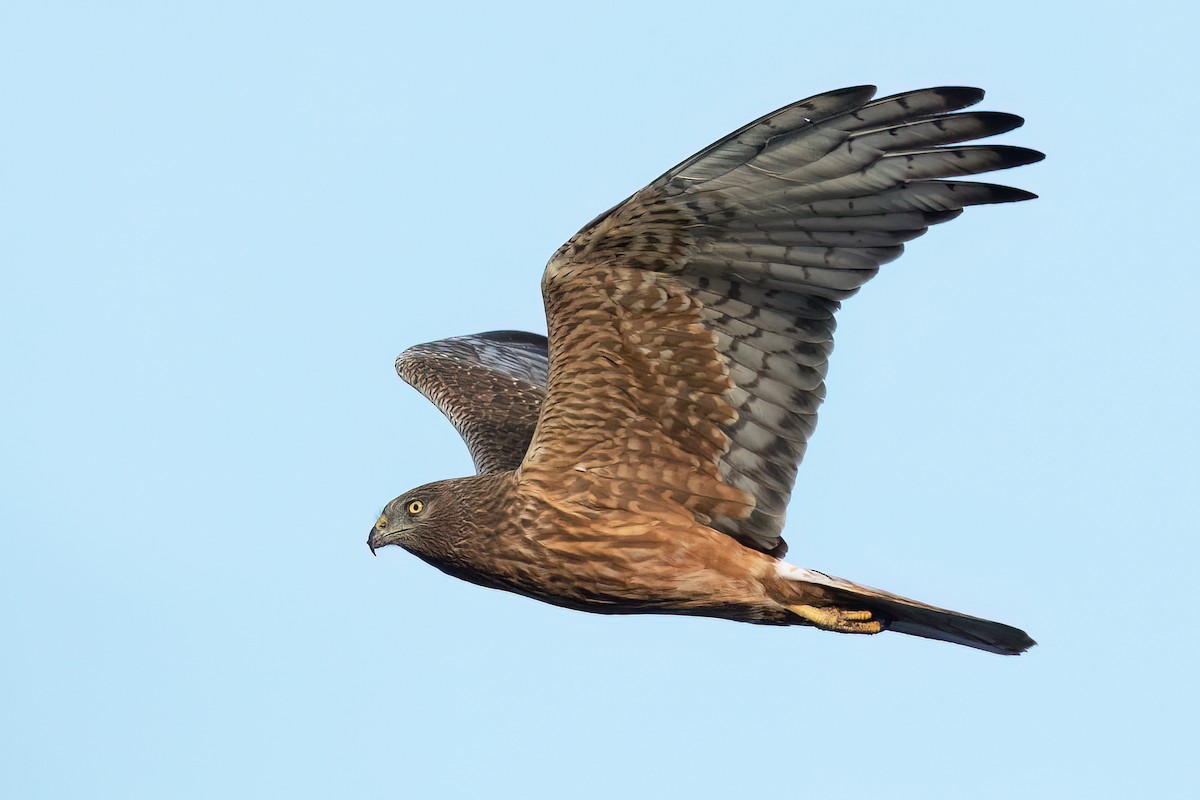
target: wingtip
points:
(997, 122)
(1035, 155)
(1013, 156)
(961, 96)
(1008, 194)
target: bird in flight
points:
(639, 459)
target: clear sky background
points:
(220, 222)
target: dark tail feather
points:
(915, 618)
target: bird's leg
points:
(838, 619)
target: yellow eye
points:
(416, 507)
(381, 523)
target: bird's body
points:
(640, 459)
(588, 550)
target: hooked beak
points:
(377, 538)
(382, 538)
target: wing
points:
(489, 385)
(691, 325)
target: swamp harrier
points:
(640, 460)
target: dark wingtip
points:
(1015, 156)
(1035, 155)
(997, 122)
(961, 96)
(973, 193)
(1008, 194)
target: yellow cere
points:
(381, 523)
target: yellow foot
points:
(838, 619)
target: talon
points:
(837, 619)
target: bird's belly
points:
(638, 573)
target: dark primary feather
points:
(770, 228)
(489, 385)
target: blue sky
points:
(220, 222)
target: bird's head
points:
(419, 520)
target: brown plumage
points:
(642, 459)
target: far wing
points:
(489, 385)
(691, 325)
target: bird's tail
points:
(903, 615)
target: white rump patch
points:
(791, 572)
